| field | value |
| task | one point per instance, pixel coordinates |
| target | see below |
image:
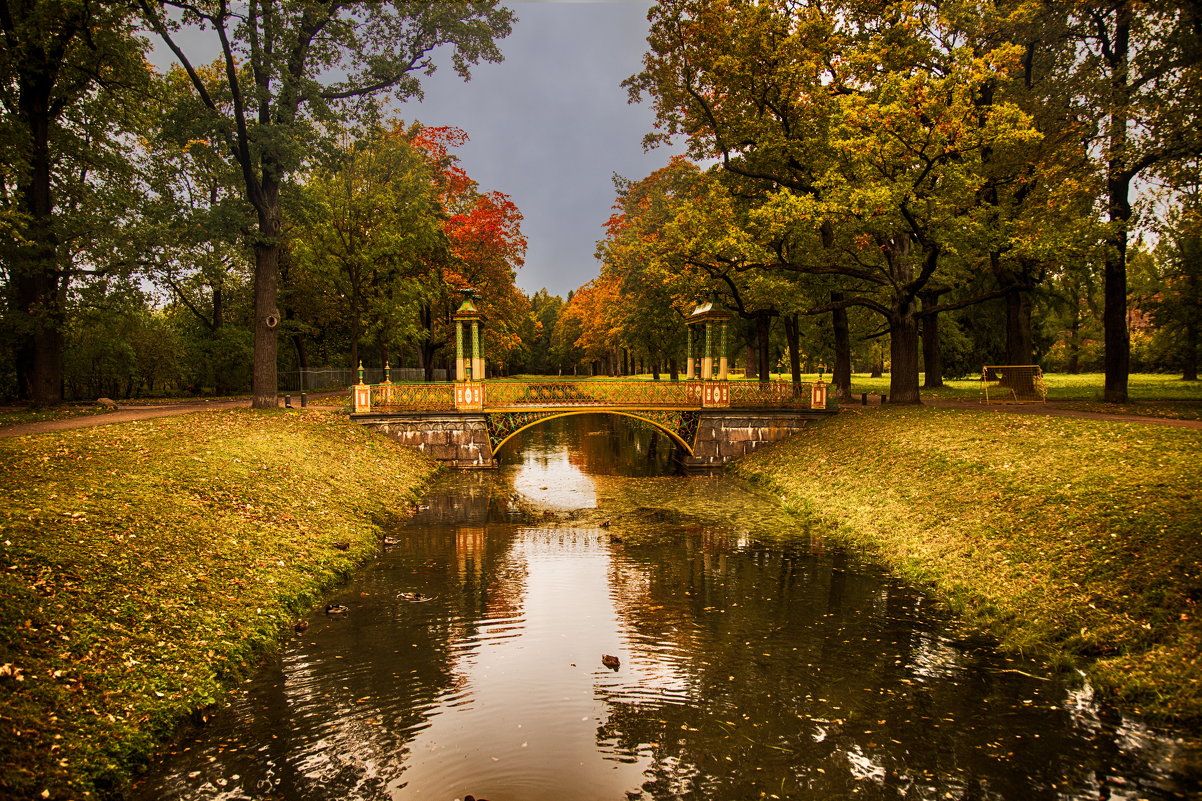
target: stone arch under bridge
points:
(681, 426)
(709, 437)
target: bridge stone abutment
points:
(455, 439)
(724, 436)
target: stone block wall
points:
(723, 437)
(456, 440)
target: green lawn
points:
(1078, 539)
(148, 565)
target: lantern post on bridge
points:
(712, 372)
(469, 370)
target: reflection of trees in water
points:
(336, 721)
(807, 677)
(600, 444)
(624, 446)
(466, 497)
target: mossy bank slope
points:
(1075, 538)
(145, 566)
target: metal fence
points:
(320, 378)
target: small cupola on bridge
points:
(467, 323)
(710, 325)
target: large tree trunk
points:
(1117, 356)
(903, 319)
(1020, 347)
(39, 282)
(932, 351)
(1019, 343)
(267, 315)
(1189, 371)
(793, 338)
(841, 372)
(903, 354)
(1189, 362)
(878, 361)
(39, 308)
(267, 320)
(763, 330)
(426, 348)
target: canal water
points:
(586, 625)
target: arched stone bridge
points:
(466, 423)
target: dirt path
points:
(128, 413)
(121, 415)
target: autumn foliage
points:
(428, 235)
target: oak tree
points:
(294, 70)
(1140, 67)
(67, 72)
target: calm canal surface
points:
(756, 660)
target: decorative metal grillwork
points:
(503, 425)
(681, 423)
(426, 397)
(773, 393)
(514, 394)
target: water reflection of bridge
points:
(465, 423)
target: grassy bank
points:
(145, 567)
(1079, 539)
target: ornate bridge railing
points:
(772, 394)
(502, 395)
(433, 397)
(554, 394)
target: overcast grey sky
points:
(550, 125)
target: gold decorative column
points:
(723, 361)
(469, 367)
(460, 371)
(688, 368)
(477, 358)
